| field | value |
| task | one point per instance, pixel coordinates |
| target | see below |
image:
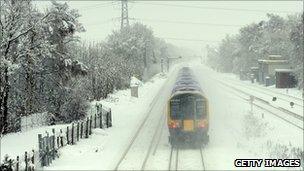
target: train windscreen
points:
(175, 108)
(200, 108)
(187, 106)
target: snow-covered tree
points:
(61, 25)
(15, 29)
(297, 58)
(276, 35)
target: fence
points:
(50, 143)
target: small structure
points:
(268, 66)
(285, 78)
(134, 84)
(254, 73)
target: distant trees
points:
(129, 52)
(277, 35)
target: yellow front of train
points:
(188, 117)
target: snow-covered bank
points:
(105, 146)
(235, 133)
(15, 144)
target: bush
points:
(74, 108)
(253, 127)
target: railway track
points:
(134, 137)
(142, 127)
(177, 159)
(297, 101)
(295, 115)
(264, 104)
(155, 141)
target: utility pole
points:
(162, 64)
(124, 14)
(145, 55)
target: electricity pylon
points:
(124, 14)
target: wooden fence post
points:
(26, 161)
(72, 136)
(77, 131)
(44, 152)
(61, 138)
(67, 135)
(95, 121)
(47, 139)
(32, 159)
(41, 155)
(81, 130)
(110, 118)
(100, 119)
(90, 130)
(87, 129)
(107, 119)
(58, 142)
(53, 144)
(17, 163)
(10, 163)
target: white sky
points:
(101, 17)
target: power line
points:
(107, 4)
(187, 39)
(101, 22)
(216, 8)
(186, 22)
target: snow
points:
(284, 70)
(15, 144)
(67, 62)
(235, 131)
(103, 148)
(229, 122)
(135, 82)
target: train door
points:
(188, 109)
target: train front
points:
(188, 114)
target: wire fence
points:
(50, 143)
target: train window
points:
(200, 108)
(175, 109)
(187, 106)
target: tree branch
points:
(28, 30)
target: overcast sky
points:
(196, 23)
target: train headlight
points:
(174, 124)
(202, 124)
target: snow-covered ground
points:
(15, 144)
(283, 97)
(235, 132)
(103, 149)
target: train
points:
(187, 111)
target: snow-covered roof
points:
(135, 82)
(269, 61)
(284, 70)
(274, 56)
(186, 82)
